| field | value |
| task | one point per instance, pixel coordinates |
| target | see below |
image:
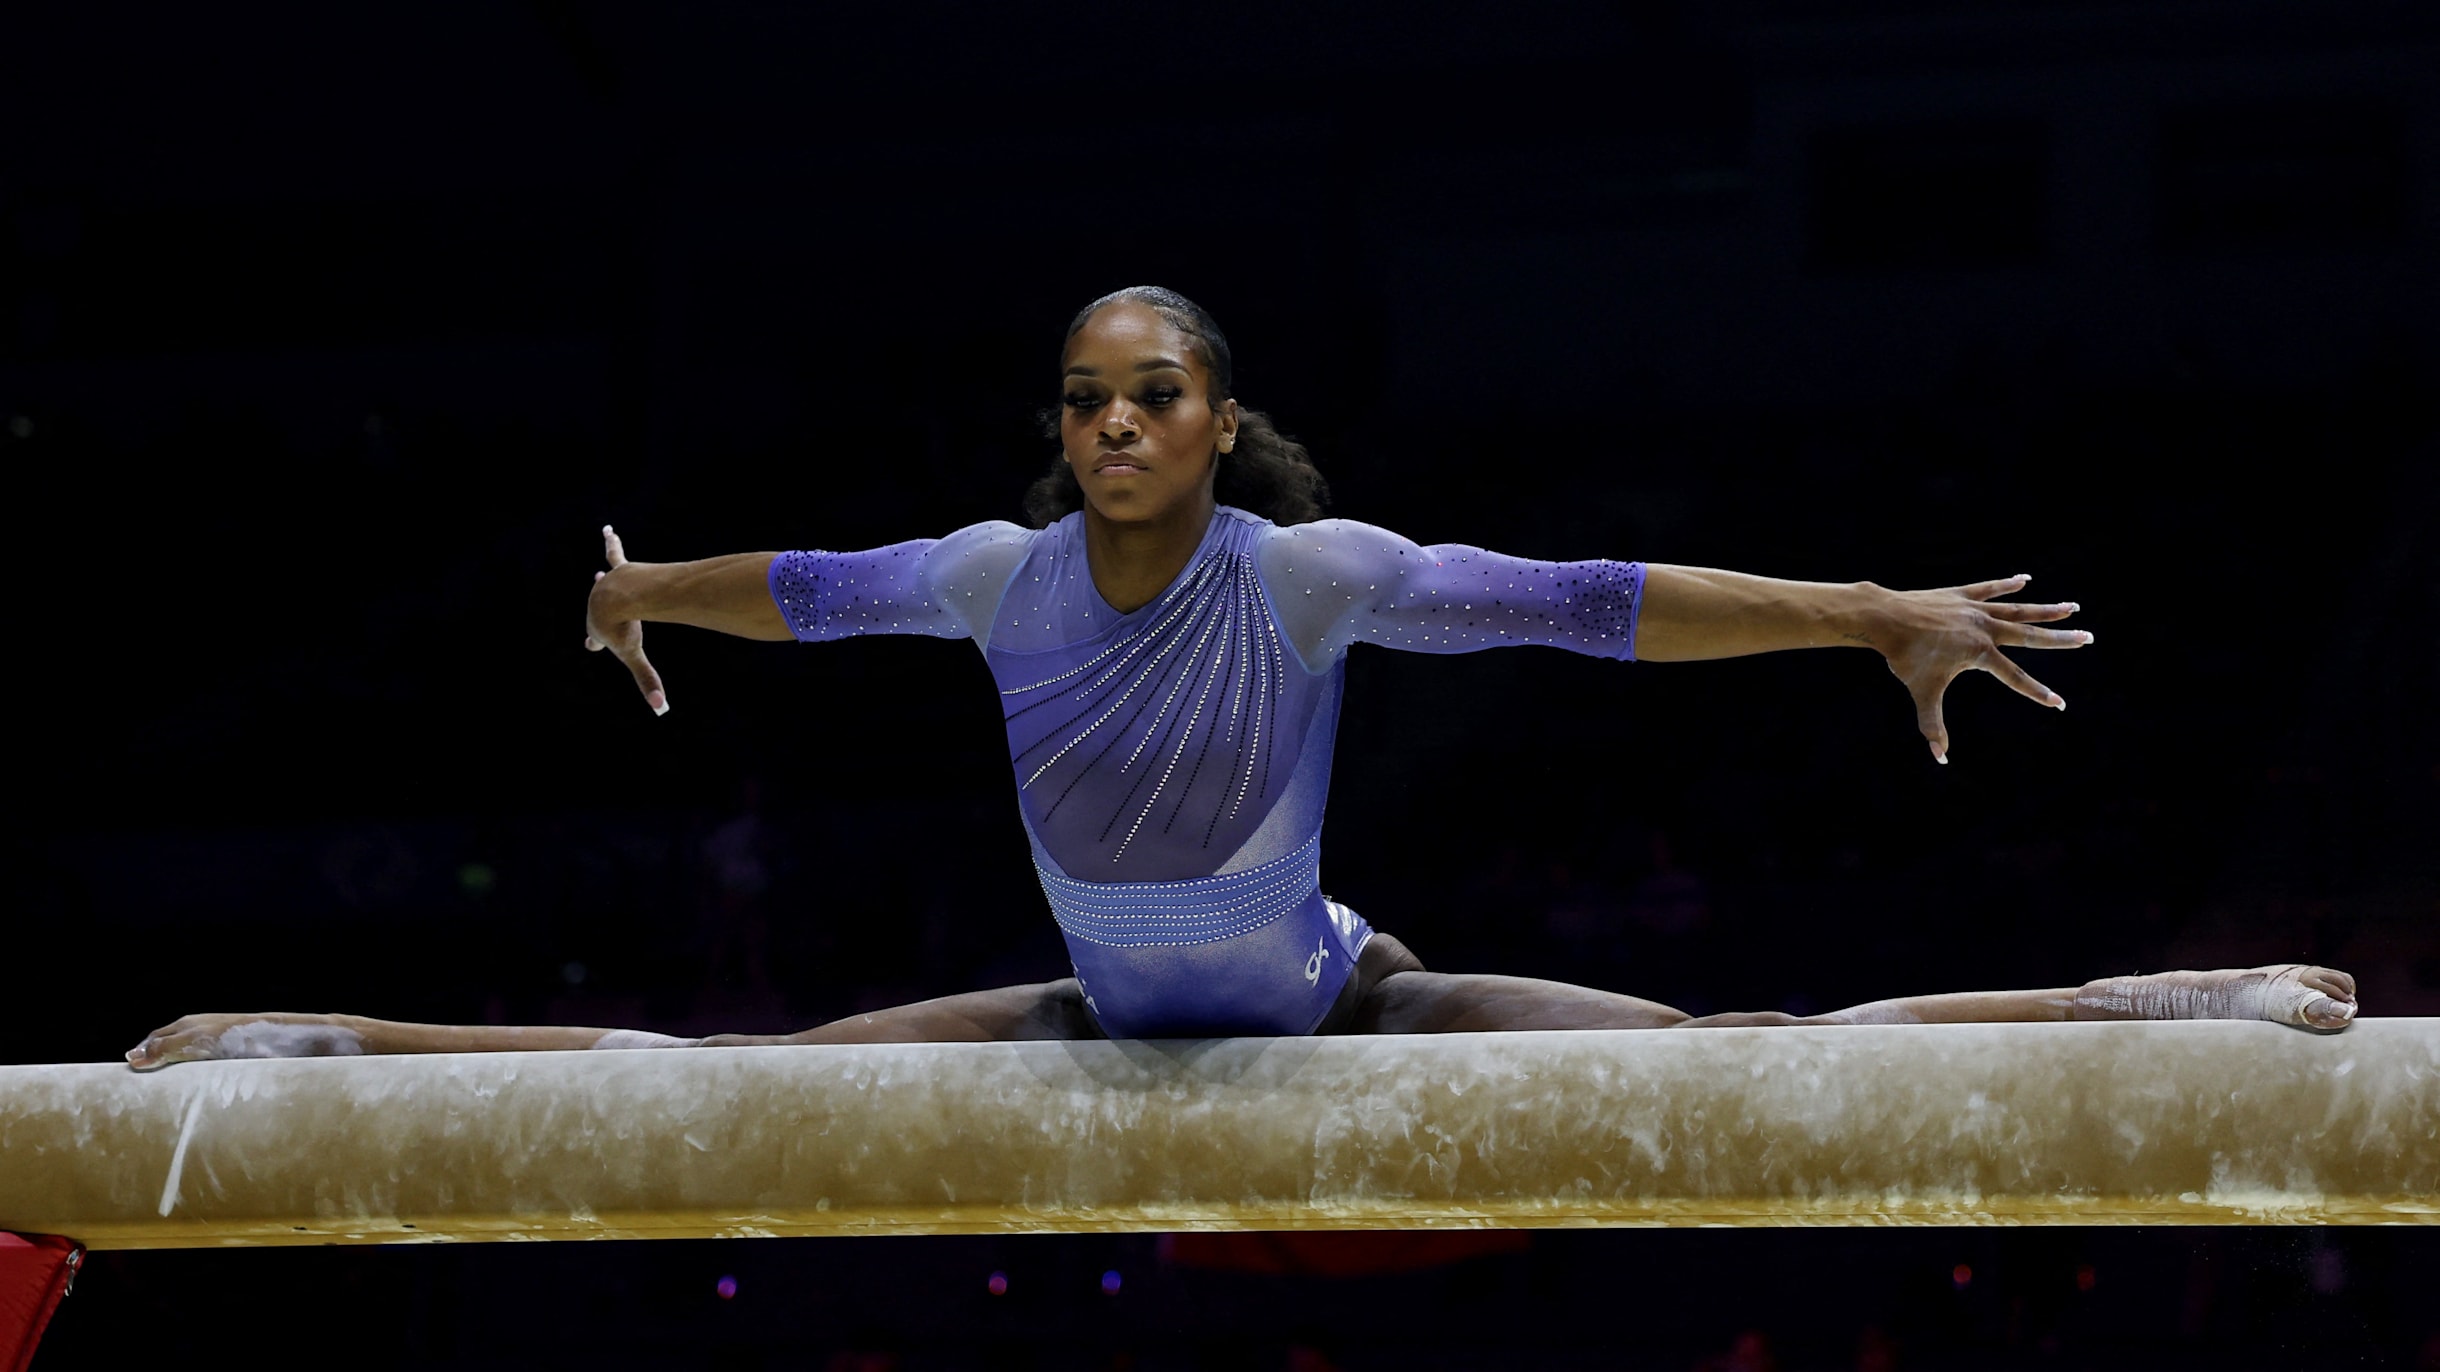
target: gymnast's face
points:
(1136, 419)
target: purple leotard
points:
(1172, 762)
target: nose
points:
(1118, 427)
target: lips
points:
(1119, 463)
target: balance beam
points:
(2135, 1123)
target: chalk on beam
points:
(2199, 1122)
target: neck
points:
(1136, 560)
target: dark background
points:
(329, 335)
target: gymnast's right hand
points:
(611, 623)
(203, 1038)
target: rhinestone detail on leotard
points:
(1178, 914)
(1151, 691)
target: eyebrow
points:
(1153, 365)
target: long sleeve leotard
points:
(1172, 761)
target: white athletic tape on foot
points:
(2277, 994)
(271, 1039)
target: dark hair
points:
(1266, 473)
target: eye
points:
(1077, 400)
(1162, 395)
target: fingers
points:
(1965, 644)
(592, 644)
(2027, 614)
(648, 681)
(2020, 636)
(2014, 613)
(2020, 681)
(1985, 590)
(1928, 715)
(1927, 719)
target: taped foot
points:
(2288, 993)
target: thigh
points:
(1047, 1010)
(1383, 957)
(1421, 1002)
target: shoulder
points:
(1330, 541)
(1342, 563)
(991, 533)
(980, 555)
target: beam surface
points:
(2193, 1123)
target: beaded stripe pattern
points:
(1177, 914)
(1194, 688)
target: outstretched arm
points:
(940, 587)
(1929, 638)
(1337, 583)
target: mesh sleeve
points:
(1336, 582)
(940, 587)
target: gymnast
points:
(1170, 666)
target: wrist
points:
(1859, 616)
(626, 594)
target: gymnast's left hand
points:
(1933, 637)
(612, 624)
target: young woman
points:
(1170, 665)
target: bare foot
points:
(2289, 993)
(202, 1038)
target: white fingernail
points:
(605, 530)
(661, 709)
(2088, 636)
(1941, 758)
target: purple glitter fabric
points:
(1172, 761)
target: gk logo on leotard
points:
(1313, 965)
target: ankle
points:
(2157, 995)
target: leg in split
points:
(1392, 993)
(1405, 999)
(1050, 1010)
(2288, 993)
